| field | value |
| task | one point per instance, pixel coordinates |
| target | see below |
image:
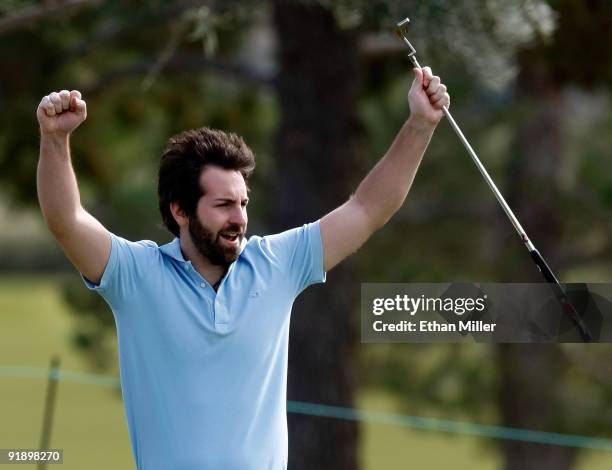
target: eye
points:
(245, 203)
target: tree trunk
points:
(532, 375)
(314, 154)
(530, 398)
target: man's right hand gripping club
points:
(61, 113)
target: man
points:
(203, 321)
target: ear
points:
(179, 214)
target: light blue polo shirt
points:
(204, 373)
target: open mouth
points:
(230, 238)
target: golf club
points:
(401, 31)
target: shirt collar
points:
(173, 250)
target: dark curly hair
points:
(183, 160)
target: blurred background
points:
(318, 89)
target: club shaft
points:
(489, 181)
(535, 254)
(485, 174)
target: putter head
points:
(401, 29)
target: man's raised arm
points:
(384, 189)
(84, 240)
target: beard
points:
(209, 244)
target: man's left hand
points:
(427, 96)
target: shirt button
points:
(202, 284)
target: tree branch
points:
(182, 61)
(115, 27)
(30, 15)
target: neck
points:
(211, 272)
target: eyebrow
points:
(226, 199)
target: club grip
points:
(543, 267)
(561, 295)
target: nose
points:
(239, 216)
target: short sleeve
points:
(300, 253)
(126, 266)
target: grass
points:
(392, 447)
(89, 420)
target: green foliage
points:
(94, 327)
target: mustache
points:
(234, 228)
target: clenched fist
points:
(61, 113)
(427, 96)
